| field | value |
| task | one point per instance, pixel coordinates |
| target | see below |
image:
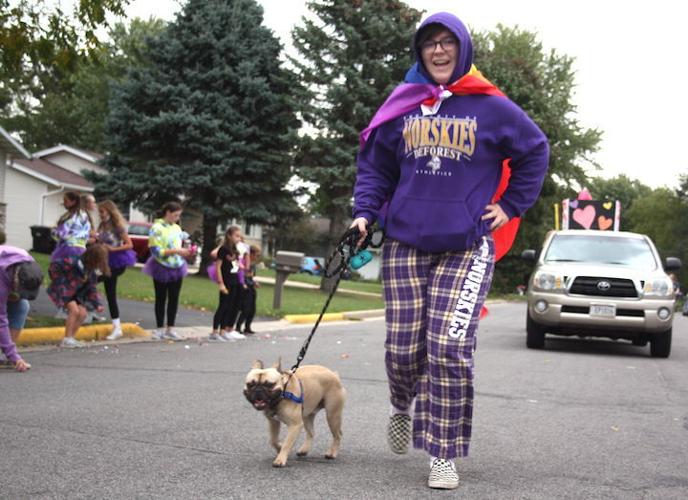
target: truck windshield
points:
(620, 251)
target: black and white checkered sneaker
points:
(443, 474)
(399, 433)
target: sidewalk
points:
(299, 284)
(188, 334)
(50, 336)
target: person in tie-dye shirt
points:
(167, 266)
(73, 228)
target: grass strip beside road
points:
(359, 286)
(200, 293)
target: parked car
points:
(138, 232)
(601, 283)
(312, 265)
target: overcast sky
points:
(630, 73)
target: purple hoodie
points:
(8, 257)
(440, 171)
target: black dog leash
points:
(346, 249)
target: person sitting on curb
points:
(20, 280)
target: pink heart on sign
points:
(584, 216)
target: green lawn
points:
(201, 293)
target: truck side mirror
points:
(672, 264)
(529, 255)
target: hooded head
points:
(464, 50)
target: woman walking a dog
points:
(435, 152)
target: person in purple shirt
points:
(434, 155)
(20, 279)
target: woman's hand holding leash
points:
(361, 224)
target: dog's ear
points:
(257, 365)
(278, 366)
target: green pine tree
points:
(207, 120)
(349, 60)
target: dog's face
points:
(264, 386)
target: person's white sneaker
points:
(115, 334)
(216, 337)
(233, 335)
(157, 334)
(171, 335)
(71, 342)
(443, 474)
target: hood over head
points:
(465, 55)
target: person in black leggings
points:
(112, 232)
(248, 304)
(167, 266)
(230, 286)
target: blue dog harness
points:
(293, 397)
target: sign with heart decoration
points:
(602, 215)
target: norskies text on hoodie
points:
(439, 138)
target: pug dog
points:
(277, 393)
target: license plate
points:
(603, 310)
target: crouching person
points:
(73, 287)
(20, 280)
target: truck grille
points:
(588, 285)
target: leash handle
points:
(346, 249)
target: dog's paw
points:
(279, 462)
(301, 453)
(330, 456)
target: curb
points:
(54, 335)
(348, 315)
(312, 318)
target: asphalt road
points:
(581, 419)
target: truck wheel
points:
(660, 344)
(535, 338)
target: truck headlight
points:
(661, 287)
(548, 282)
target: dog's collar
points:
(293, 397)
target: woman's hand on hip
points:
(495, 212)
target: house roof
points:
(9, 145)
(81, 153)
(52, 174)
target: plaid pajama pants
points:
(432, 308)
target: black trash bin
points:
(43, 241)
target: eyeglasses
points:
(447, 44)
